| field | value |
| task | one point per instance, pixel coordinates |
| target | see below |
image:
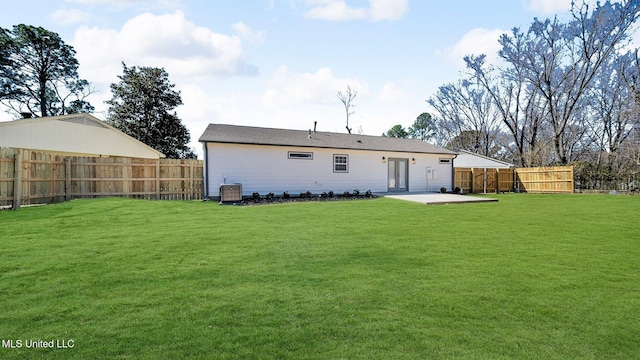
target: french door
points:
(398, 175)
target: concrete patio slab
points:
(439, 199)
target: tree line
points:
(39, 77)
(562, 92)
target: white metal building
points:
(466, 159)
(73, 135)
(267, 160)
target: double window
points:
(340, 163)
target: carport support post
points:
(17, 180)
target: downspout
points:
(205, 173)
(453, 172)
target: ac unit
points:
(230, 193)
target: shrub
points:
(255, 196)
(286, 195)
(368, 194)
(443, 190)
(457, 190)
(330, 193)
(356, 192)
(305, 195)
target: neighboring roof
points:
(235, 134)
(75, 134)
(467, 159)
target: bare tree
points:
(467, 109)
(346, 99)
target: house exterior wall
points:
(264, 169)
(71, 138)
(464, 160)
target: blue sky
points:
(280, 63)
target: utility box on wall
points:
(230, 193)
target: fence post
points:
(17, 180)
(157, 179)
(67, 178)
(191, 191)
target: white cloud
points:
(476, 42)
(321, 87)
(378, 10)
(127, 3)
(548, 7)
(390, 93)
(169, 41)
(248, 34)
(388, 9)
(68, 17)
(335, 10)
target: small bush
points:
(305, 195)
(457, 190)
(330, 193)
(255, 196)
(346, 194)
(368, 194)
(443, 190)
(286, 195)
(356, 192)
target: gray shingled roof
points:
(235, 134)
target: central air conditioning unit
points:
(230, 193)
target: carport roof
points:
(236, 134)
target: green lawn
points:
(531, 276)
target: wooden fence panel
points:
(49, 178)
(557, 179)
(505, 180)
(7, 175)
(534, 180)
(463, 179)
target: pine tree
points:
(143, 106)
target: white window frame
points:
(300, 155)
(340, 161)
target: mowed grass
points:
(531, 276)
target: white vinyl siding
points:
(264, 169)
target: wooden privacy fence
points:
(30, 177)
(558, 179)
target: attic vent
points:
(83, 121)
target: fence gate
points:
(478, 180)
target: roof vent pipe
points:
(315, 123)
(309, 134)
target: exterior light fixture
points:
(384, 159)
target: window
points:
(445, 161)
(300, 155)
(341, 163)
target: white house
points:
(73, 135)
(466, 159)
(267, 160)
